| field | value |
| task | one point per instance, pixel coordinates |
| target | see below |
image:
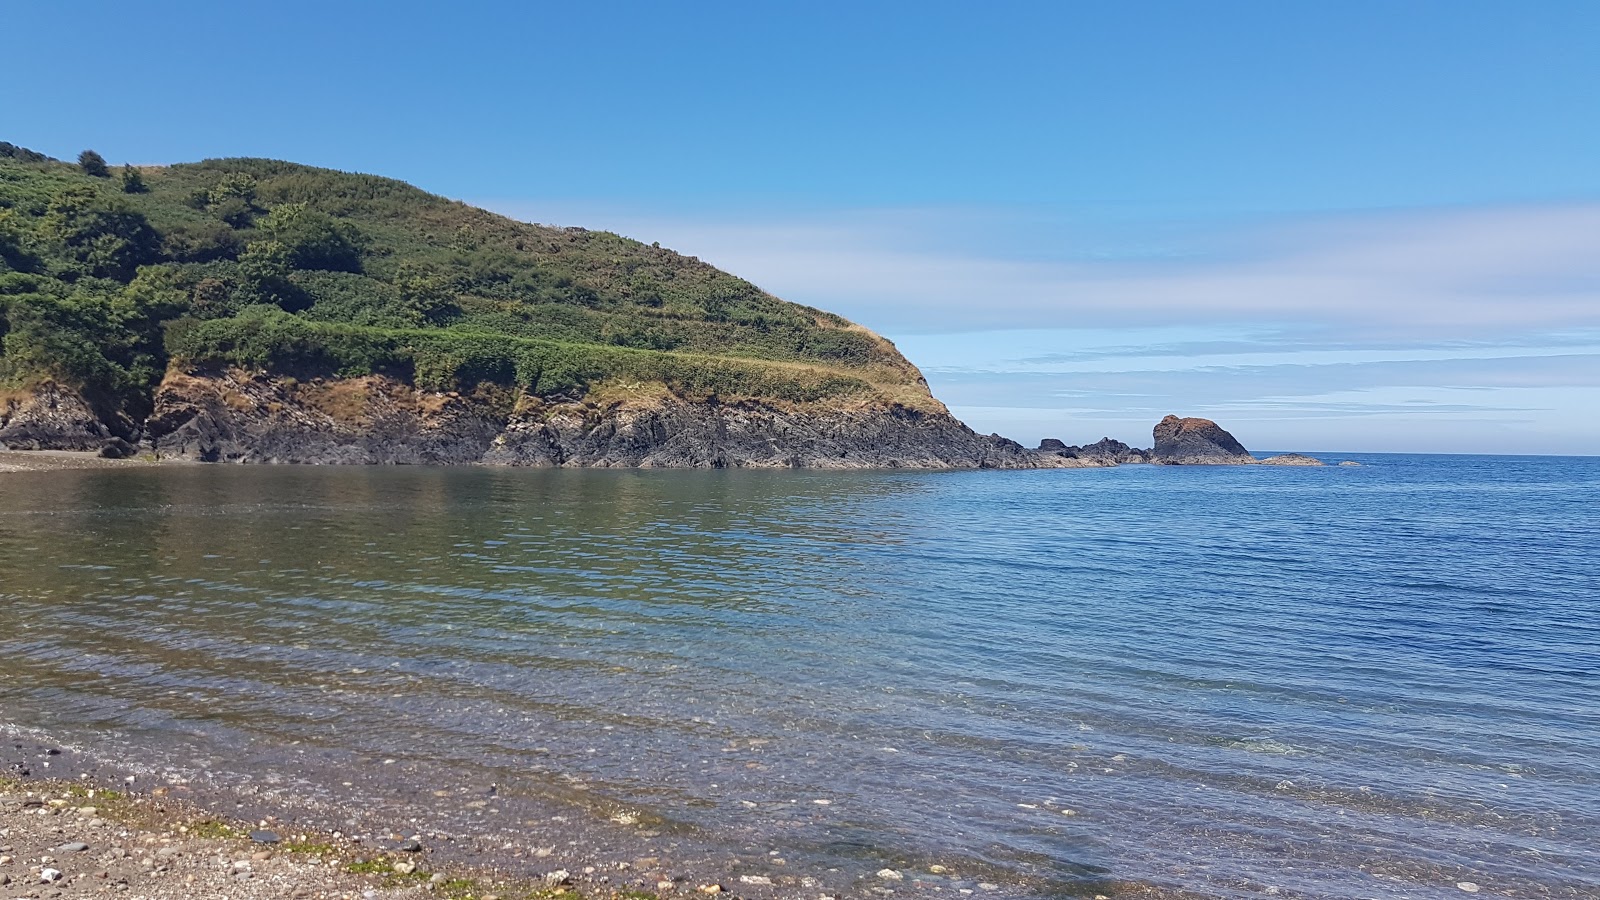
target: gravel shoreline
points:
(64, 840)
(55, 460)
(75, 833)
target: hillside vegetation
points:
(108, 275)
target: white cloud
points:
(1466, 329)
(1447, 272)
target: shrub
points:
(93, 164)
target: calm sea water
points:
(1341, 682)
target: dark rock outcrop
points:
(1196, 442)
(236, 416)
(1104, 452)
(1292, 459)
(51, 417)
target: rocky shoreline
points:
(237, 416)
(73, 825)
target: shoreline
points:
(64, 460)
(149, 836)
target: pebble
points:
(710, 888)
(262, 836)
(50, 876)
(890, 874)
(558, 877)
(73, 847)
(404, 868)
(411, 846)
(754, 879)
(1468, 886)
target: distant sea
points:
(1380, 681)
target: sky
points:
(1354, 226)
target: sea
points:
(1346, 682)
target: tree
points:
(104, 235)
(94, 164)
(313, 240)
(426, 295)
(264, 269)
(132, 181)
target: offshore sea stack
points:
(1196, 442)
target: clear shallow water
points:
(1337, 682)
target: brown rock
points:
(1196, 442)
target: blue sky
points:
(1351, 226)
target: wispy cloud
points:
(1450, 272)
(1403, 330)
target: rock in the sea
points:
(1349, 462)
(1292, 459)
(1196, 442)
(1104, 452)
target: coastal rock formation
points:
(1292, 459)
(238, 416)
(51, 417)
(1196, 442)
(1104, 452)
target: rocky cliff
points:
(52, 417)
(229, 414)
(233, 415)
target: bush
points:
(93, 164)
(313, 240)
(108, 238)
(132, 181)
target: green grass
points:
(289, 268)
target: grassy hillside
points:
(107, 275)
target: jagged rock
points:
(1104, 452)
(1292, 459)
(1196, 442)
(51, 417)
(238, 416)
(1113, 452)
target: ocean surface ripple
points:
(1340, 682)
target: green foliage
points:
(106, 237)
(448, 359)
(93, 164)
(264, 270)
(132, 181)
(273, 265)
(313, 240)
(9, 150)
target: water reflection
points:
(1041, 675)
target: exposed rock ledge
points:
(1178, 442)
(238, 416)
(1292, 459)
(235, 416)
